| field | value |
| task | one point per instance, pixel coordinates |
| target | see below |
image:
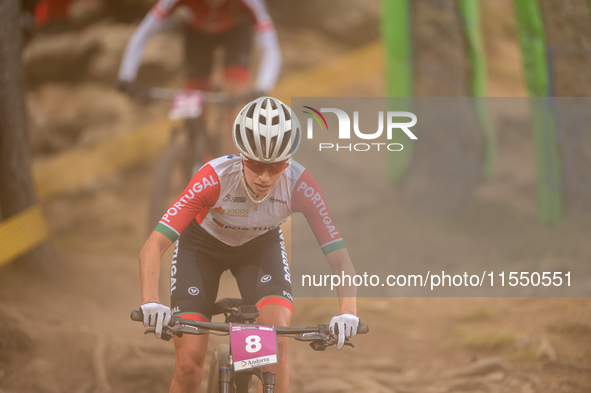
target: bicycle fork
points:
(268, 379)
(268, 382)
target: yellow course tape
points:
(82, 167)
(21, 232)
(334, 75)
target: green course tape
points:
(396, 31)
(532, 39)
(470, 11)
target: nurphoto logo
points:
(395, 122)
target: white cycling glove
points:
(156, 315)
(347, 327)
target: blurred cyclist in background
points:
(230, 24)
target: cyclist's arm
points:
(307, 198)
(270, 60)
(268, 45)
(135, 47)
(340, 262)
(194, 202)
(150, 257)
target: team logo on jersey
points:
(239, 199)
(266, 278)
(227, 198)
(232, 212)
(273, 200)
(194, 291)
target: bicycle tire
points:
(219, 358)
(160, 198)
(202, 145)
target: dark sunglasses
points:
(260, 167)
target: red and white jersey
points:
(215, 19)
(212, 20)
(217, 199)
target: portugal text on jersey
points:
(216, 198)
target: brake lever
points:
(167, 333)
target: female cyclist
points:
(228, 217)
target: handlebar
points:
(161, 93)
(138, 316)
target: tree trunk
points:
(17, 191)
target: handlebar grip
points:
(363, 328)
(137, 315)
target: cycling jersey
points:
(211, 21)
(216, 198)
(217, 19)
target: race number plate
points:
(253, 346)
(186, 105)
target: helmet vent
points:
(264, 146)
(251, 142)
(275, 120)
(250, 112)
(287, 114)
(296, 141)
(239, 140)
(284, 142)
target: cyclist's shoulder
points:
(225, 164)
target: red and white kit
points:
(216, 198)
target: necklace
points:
(248, 192)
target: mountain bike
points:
(193, 141)
(252, 346)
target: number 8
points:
(253, 344)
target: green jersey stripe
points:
(333, 246)
(166, 231)
(180, 314)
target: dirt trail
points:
(69, 330)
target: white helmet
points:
(267, 130)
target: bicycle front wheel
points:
(220, 358)
(172, 174)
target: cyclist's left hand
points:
(347, 327)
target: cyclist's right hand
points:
(126, 87)
(156, 315)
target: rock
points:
(327, 385)
(546, 350)
(61, 116)
(384, 364)
(58, 57)
(470, 386)
(162, 58)
(36, 377)
(479, 368)
(15, 338)
(112, 39)
(496, 376)
(154, 369)
(351, 21)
